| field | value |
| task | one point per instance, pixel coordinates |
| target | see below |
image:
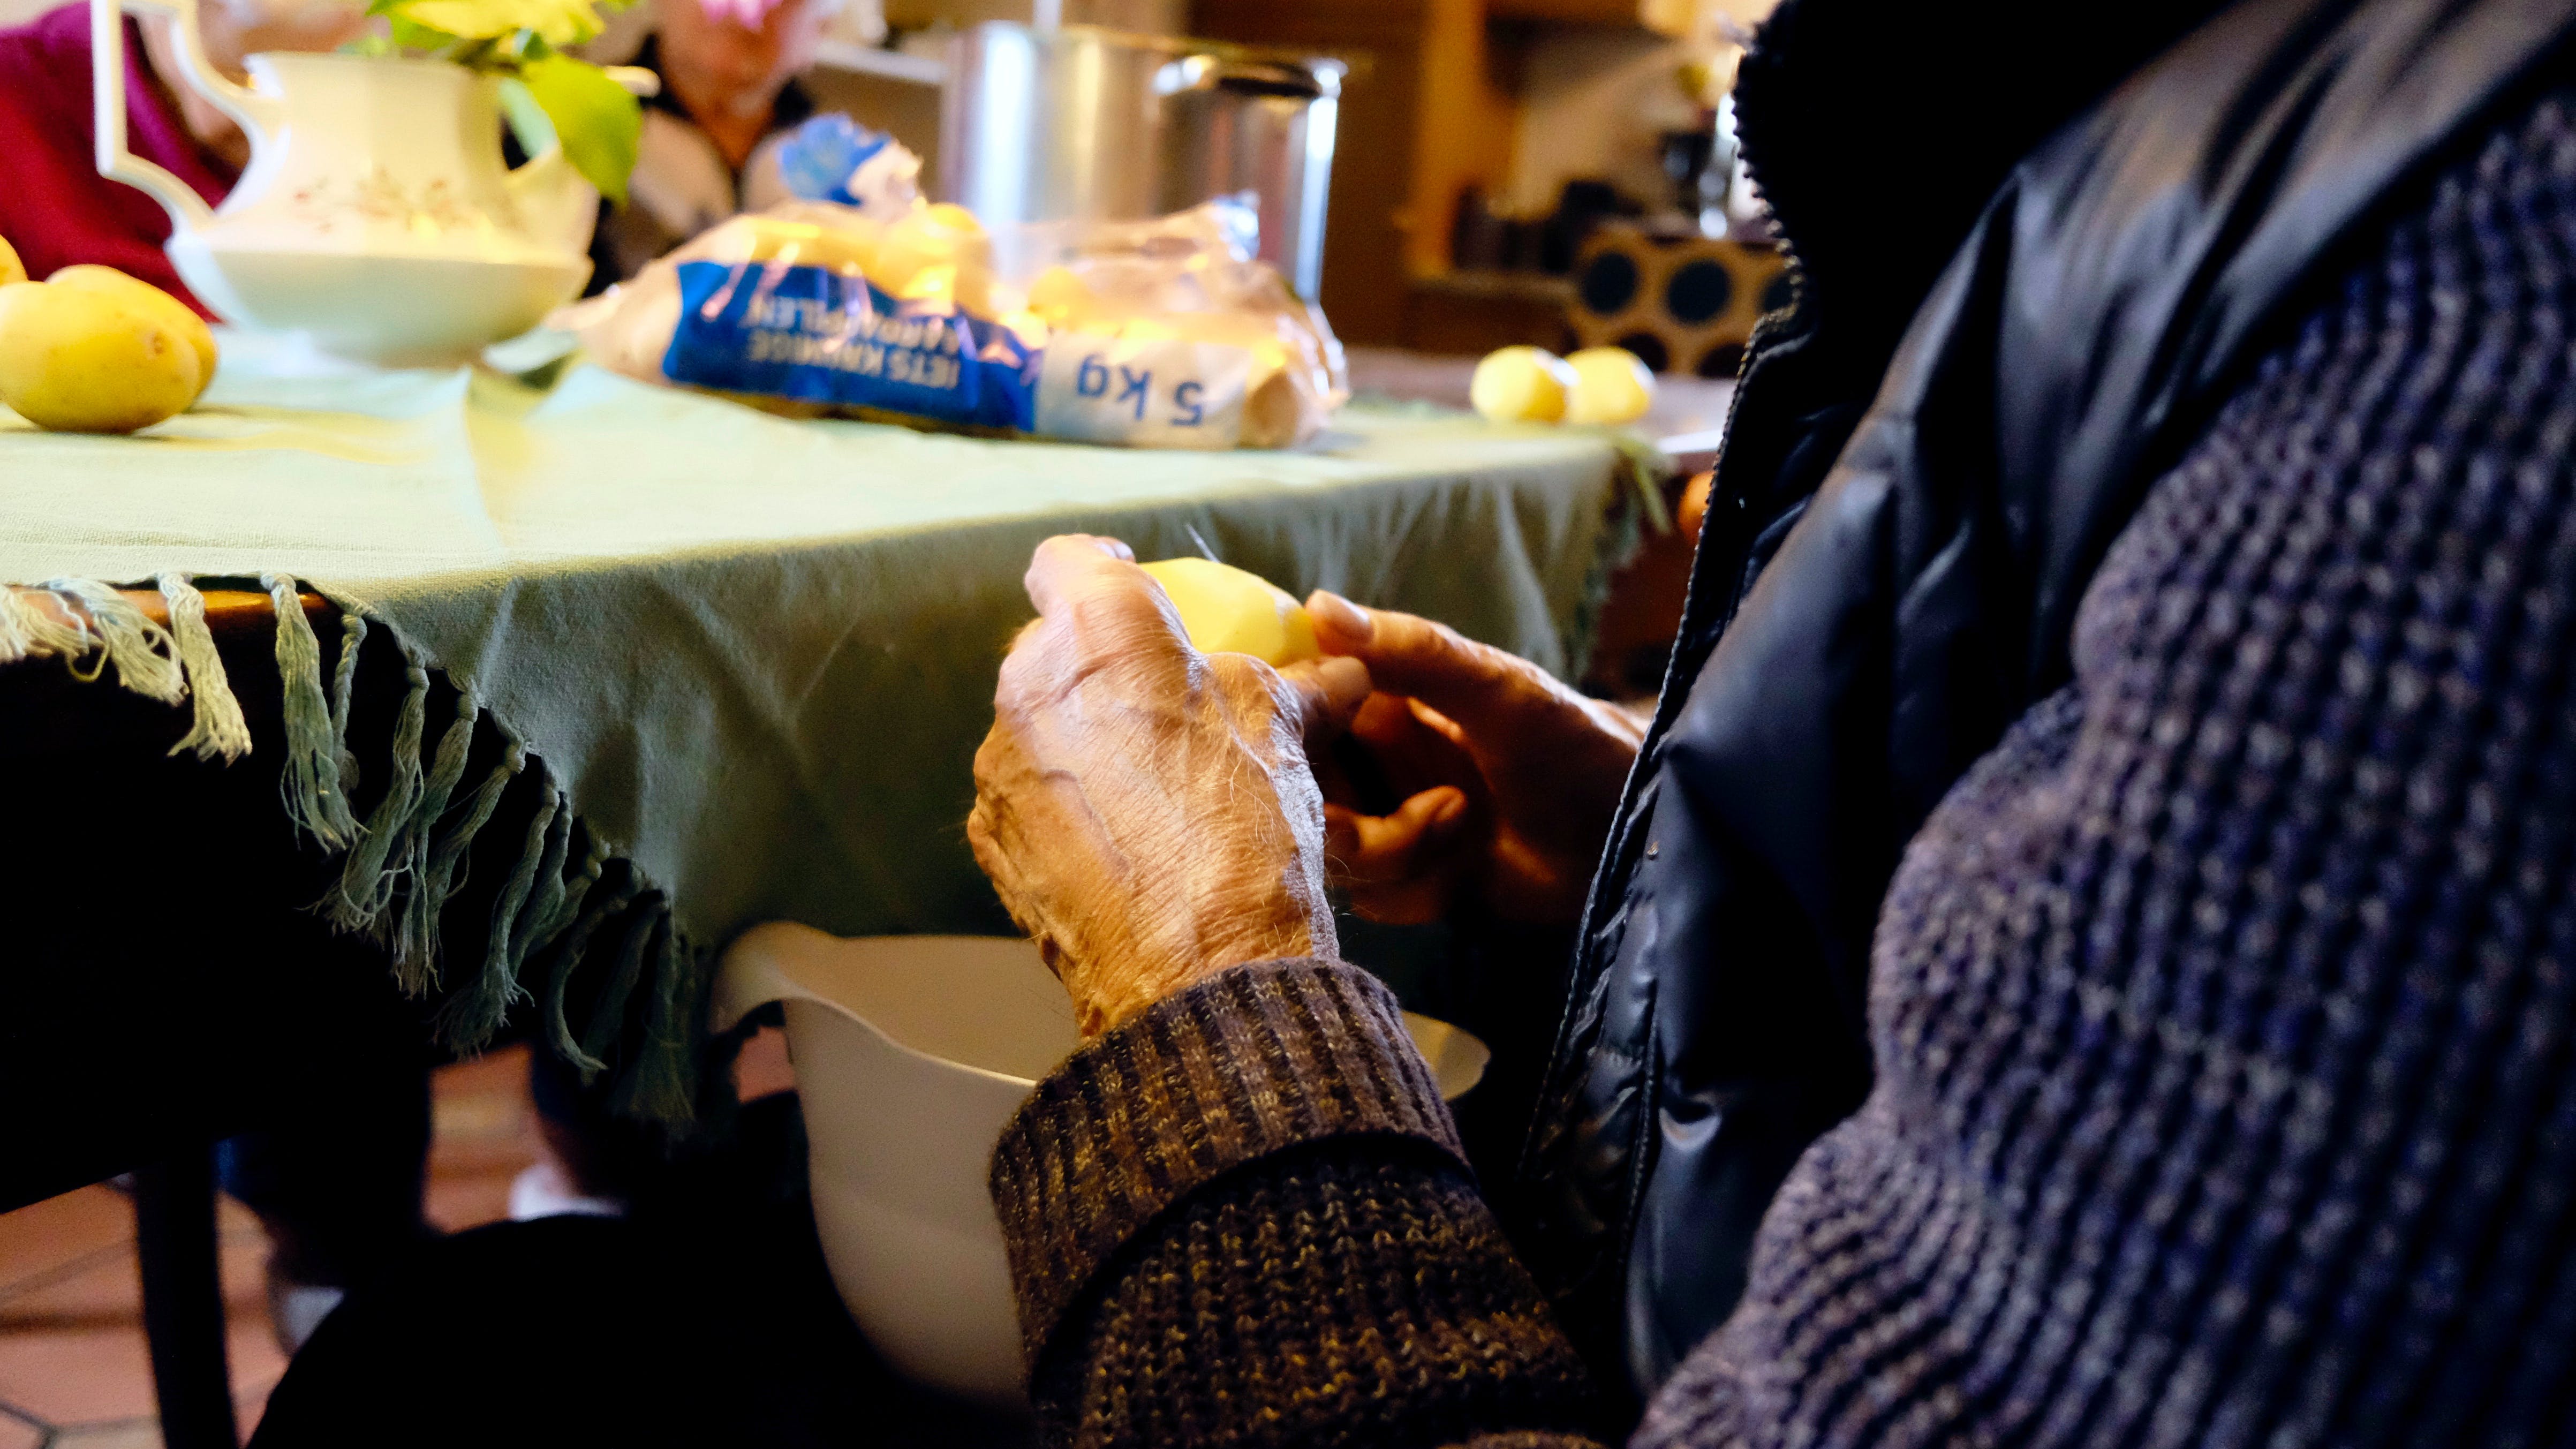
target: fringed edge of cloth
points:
(401, 866)
(219, 732)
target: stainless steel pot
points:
(1079, 124)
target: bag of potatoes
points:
(1157, 334)
(1166, 333)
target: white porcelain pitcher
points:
(375, 215)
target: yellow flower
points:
(560, 22)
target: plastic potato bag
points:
(1156, 334)
(1165, 333)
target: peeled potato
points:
(81, 359)
(177, 314)
(1521, 385)
(1610, 386)
(1227, 610)
(11, 269)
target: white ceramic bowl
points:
(394, 311)
(911, 1054)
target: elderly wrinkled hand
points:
(1505, 779)
(1146, 811)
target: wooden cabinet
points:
(1429, 109)
(1573, 12)
(1421, 117)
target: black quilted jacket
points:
(2119, 286)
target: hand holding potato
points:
(1146, 810)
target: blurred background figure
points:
(55, 208)
(728, 70)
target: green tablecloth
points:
(757, 654)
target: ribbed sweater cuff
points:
(1251, 1061)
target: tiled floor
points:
(73, 1368)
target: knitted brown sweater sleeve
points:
(1241, 1218)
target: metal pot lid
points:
(1206, 64)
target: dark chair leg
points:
(183, 1300)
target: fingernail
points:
(1450, 809)
(1341, 615)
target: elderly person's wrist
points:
(1241, 1064)
(1215, 930)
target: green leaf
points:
(410, 34)
(529, 124)
(594, 117)
(561, 22)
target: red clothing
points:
(54, 206)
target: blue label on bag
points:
(819, 336)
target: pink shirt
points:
(54, 206)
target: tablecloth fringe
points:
(219, 731)
(145, 655)
(316, 802)
(407, 860)
(411, 931)
(475, 1011)
(370, 881)
(29, 631)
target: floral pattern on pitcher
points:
(378, 197)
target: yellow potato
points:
(176, 313)
(850, 250)
(1254, 334)
(1058, 293)
(968, 288)
(1521, 385)
(770, 237)
(955, 218)
(1270, 412)
(929, 237)
(1032, 329)
(1610, 386)
(1227, 610)
(11, 270)
(91, 360)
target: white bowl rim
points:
(1025, 1084)
(806, 991)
